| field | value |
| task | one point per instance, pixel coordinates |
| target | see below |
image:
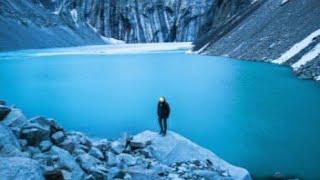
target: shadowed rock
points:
(4, 111)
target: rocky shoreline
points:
(38, 148)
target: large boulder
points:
(36, 130)
(175, 148)
(20, 168)
(4, 111)
(9, 144)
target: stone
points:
(92, 166)
(9, 143)
(112, 160)
(58, 137)
(16, 131)
(139, 144)
(20, 168)
(68, 145)
(175, 148)
(23, 143)
(103, 145)
(117, 147)
(4, 111)
(2, 102)
(174, 177)
(140, 172)
(207, 174)
(127, 159)
(95, 152)
(15, 118)
(80, 140)
(90, 177)
(45, 146)
(127, 177)
(36, 130)
(32, 150)
(34, 135)
(54, 127)
(67, 162)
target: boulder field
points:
(38, 148)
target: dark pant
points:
(163, 125)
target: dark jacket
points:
(163, 110)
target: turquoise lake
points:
(254, 115)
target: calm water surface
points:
(254, 115)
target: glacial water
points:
(255, 115)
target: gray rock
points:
(9, 143)
(141, 173)
(32, 150)
(210, 175)
(23, 143)
(68, 145)
(79, 140)
(126, 159)
(36, 130)
(95, 152)
(4, 111)
(112, 160)
(103, 144)
(67, 162)
(127, 177)
(20, 168)
(58, 137)
(175, 148)
(92, 166)
(173, 176)
(15, 118)
(45, 146)
(117, 147)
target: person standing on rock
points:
(163, 115)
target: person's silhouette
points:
(163, 115)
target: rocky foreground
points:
(38, 148)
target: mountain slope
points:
(26, 24)
(277, 28)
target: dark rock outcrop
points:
(4, 111)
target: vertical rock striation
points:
(136, 20)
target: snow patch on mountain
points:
(102, 49)
(295, 49)
(315, 52)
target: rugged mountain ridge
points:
(60, 23)
(137, 21)
(279, 31)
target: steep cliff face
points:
(27, 24)
(137, 20)
(280, 31)
(222, 16)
